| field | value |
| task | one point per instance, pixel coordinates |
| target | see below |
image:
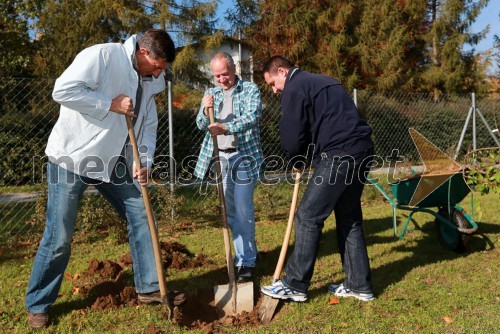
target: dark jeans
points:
(336, 185)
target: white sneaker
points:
(281, 291)
(341, 291)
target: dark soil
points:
(110, 285)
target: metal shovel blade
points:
(267, 308)
(224, 297)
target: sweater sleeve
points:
(294, 125)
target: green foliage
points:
(61, 36)
(167, 208)
(96, 215)
(448, 68)
(187, 66)
(15, 46)
(22, 154)
(483, 172)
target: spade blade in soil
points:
(267, 309)
(224, 298)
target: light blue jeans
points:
(238, 195)
(64, 192)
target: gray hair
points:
(226, 56)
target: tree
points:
(15, 50)
(447, 67)
(67, 27)
(376, 44)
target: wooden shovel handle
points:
(149, 211)
(225, 229)
(286, 239)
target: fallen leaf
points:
(82, 312)
(76, 276)
(344, 324)
(60, 296)
(68, 276)
(76, 290)
(1, 312)
(333, 301)
(448, 320)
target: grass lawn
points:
(420, 286)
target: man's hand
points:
(208, 101)
(141, 175)
(122, 104)
(217, 129)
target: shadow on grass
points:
(426, 250)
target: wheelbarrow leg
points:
(403, 231)
(394, 221)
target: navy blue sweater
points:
(317, 110)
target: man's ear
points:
(143, 51)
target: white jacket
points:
(87, 138)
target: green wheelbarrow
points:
(454, 225)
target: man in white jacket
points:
(89, 145)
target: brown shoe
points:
(175, 297)
(38, 320)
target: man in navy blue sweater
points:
(316, 110)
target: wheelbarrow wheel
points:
(449, 237)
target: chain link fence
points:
(28, 113)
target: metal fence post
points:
(474, 121)
(464, 129)
(171, 142)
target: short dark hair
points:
(272, 64)
(158, 43)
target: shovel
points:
(268, 304)
(151, 222)
(226, 296)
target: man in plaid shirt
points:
(237, 110)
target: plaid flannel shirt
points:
(248, 110)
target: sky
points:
(489, 15)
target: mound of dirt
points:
(110, 285)
(177, 256)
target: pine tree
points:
(448, 68)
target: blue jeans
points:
(64, 192)
(328, 191)
(238, 195)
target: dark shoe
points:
(175, 297)
(245, 274)
(38, 320)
